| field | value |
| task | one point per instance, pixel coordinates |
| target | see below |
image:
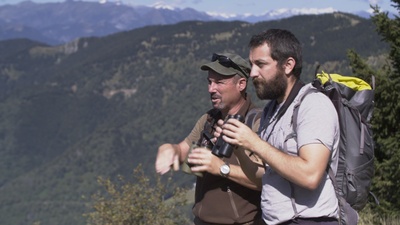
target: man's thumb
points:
(176, 163)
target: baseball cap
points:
(228, 64)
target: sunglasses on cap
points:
(227, 62)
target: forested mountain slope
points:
(100, 106)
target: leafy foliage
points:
(137, 203)
(386, 118)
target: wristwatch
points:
(224, 170)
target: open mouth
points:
(215, 98)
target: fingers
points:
(236, 133)
(162, 169)
(166, 158)
(163, 165)
(176, 163)
(217, 130)
(220, 122)
(234, 122)
(204, 161)
(200, 156)
(230, 137)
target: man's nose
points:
(254, 72)
(211, 87)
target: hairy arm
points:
(307, 166)
(305, 170)
(251, 167)
(253, 170)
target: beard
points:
(272, 89)
(218, 105)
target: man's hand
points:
(204, 161)
(217, 130)
(167, 157)
(239, 134)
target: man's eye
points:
(260, 64)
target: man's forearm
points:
(252, 170)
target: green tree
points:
(386, 118)
(137, 203)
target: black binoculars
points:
(221, 148)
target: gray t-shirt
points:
(317, 122)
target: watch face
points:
(225, 169)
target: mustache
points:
(215, 96)
(257, 81)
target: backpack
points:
(353, 99)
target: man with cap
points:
(224, 194)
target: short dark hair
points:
(283, 44)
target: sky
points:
(246, 7)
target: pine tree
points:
(386, 118)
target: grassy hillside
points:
(101, 106)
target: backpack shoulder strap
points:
(252, 117)
(293, 135)
(297, 105)
(268, 110)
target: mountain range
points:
(100, 106)
(58, 23)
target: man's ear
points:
(242, 83)
(289, 65)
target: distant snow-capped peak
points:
(222, 15)
(162, 5)
(117, 2)
(276, 13)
